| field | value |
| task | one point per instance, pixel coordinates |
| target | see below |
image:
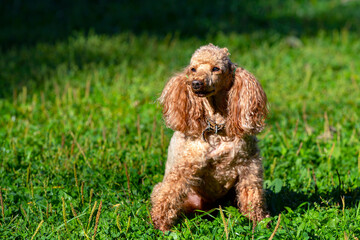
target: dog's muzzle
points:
(197, 85)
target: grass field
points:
(82, 141)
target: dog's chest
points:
(220, 172)
(224, 151)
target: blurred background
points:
(24, 22)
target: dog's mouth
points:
(203, 93)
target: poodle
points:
(215, 108)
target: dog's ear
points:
(181, 109)
(247, 104)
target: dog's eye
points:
(215, 69)
(193, 69)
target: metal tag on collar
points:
(208, 128)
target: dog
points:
(215, 108)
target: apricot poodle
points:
(215, 109)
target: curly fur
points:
(202, 168)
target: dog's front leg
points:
(250, 193)
(167, 200)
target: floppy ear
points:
(181, 109)
(247, 105)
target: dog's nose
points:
(196, 84)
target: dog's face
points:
(231, 88)
(210, 71)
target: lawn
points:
(82, 140)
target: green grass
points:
(80, 126)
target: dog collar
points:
(212, 126)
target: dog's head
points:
(210, 71)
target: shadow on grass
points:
(29, 22)
(277, 202)
(287, 198)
